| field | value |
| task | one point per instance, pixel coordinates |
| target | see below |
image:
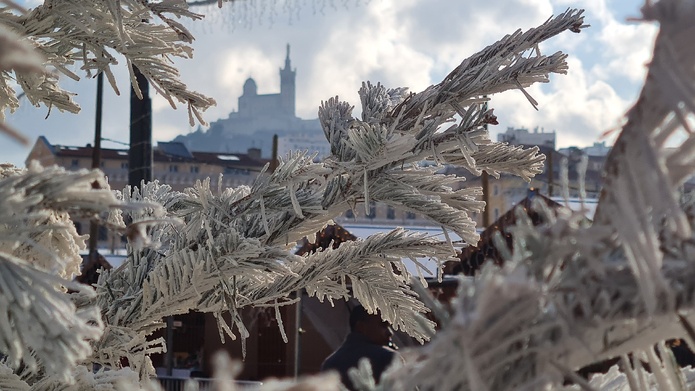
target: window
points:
(372, 210)
(390, 213)
(75, 163)
(124, 165)
(349, 214)
(497, 213)
(173, 168)
(195, 169)
(102, 234)
(236, 171)
(410, 215)
(495, 190)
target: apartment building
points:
(173, 163)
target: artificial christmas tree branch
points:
(573, 293)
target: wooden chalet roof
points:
(472, 257)
(90, 270)
(332, 233)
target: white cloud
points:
(627, 49)
(372, 50)
(166, 132)
(578, 109)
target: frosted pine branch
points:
(501, 158)
(44, 328)
(93, 34)
(34, 215)
(641, 175)
(574, 293)
(85, 380)
(448, 208)
(17, 55)
(39, 325)
(398, 129)
(10, 381)
(367, 265)
(221, 270)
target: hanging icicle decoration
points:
(465, 146)
(365, 179)
(419, 267)
(264, 217)
(281, 326)
(528, 96)
(448, 240)
(295, 203)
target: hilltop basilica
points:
(258, 118)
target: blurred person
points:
(369, 337)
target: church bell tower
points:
(287, 89)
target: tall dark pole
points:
(140, 154)
(140, 165)
(96, 152)
(96, 162)
(297, 334)
(274, 155)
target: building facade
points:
(522, 136)
(508, 190)
(173, 164)
(303, 142)
(380, 214)
(597, 149)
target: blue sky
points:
(338, 44)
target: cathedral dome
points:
(250, 87)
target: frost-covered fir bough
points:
(571, 293)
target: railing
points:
(170, 383)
